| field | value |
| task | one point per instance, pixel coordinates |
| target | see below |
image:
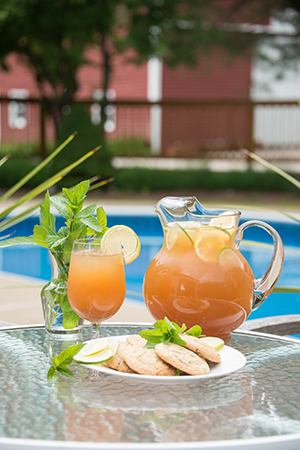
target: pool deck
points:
(20, 302)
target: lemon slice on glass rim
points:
(124, 236)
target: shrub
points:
(147, 180)
(132, 146)
(88, 137)
(140, 179)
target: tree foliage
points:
(51, 36)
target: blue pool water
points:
(34, 261)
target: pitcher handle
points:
(263, 286)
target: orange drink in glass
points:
(96, 283)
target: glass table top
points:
(257, 404)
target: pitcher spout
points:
(171, 209)
(179, 209)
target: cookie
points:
(137, 340)
(182, 358)
(201, 348)
(117, 362)
(146, 362)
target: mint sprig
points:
(61, 362)
(196, 331)
(166, 331)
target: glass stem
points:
(95, 330)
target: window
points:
(110, 110)
(18, 111)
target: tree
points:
(276, 47)
(42, 34)
(51, 37)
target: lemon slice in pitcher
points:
(171, 237)
(121, 234)
(227, 256)
(208, 244)
(226, 220)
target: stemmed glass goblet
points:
(96, 282)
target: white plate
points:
(231, 361)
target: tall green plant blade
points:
(34, 171)
(48, 183)
(260, 208)
(291, 217)
(101, 183)
(72, 166)
(273, 167)
(285, 289)
(7, 223)
(91, 180)
(134, 293)
(4, 159)
(32, 194)
(267, 246)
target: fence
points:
(172, 128)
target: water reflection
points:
(118, 410)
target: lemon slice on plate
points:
(121, 234)
(98, 357)
(215, 342)
(94, 346)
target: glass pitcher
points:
(199, 276)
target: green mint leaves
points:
(80, 222)
(166, 331)
(196, 331)
(61, 362)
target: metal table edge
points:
(148, 324)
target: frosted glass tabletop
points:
(257, 406)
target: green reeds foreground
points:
(8, 220)
(295, 182)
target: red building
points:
(169, 129)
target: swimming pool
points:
(34, 261)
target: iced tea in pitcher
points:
(199, 276)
